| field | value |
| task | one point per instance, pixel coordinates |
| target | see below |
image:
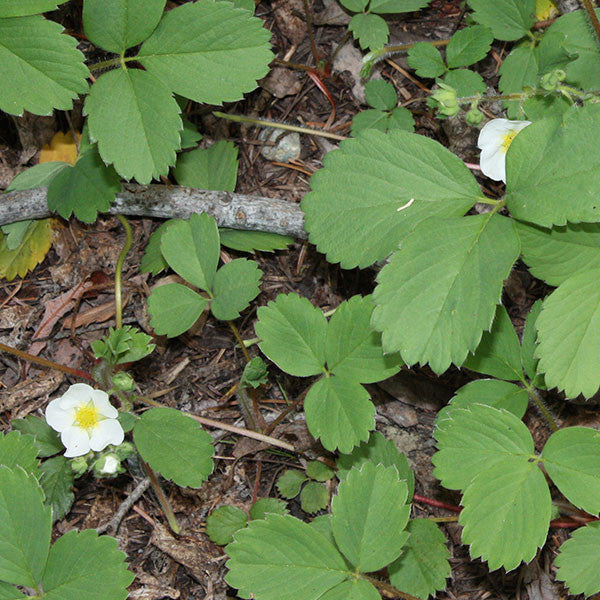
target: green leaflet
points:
(468, 45)
(519, 69)
(381, 94)
(18, 450)
(529, 346)
(224, 522)
(371, 31)
(37, 176)
(508, 19)
(264, 506)
(314, 497)
(57, 482)
(235, 285)
(426, 59)
(355, 589)
(23, 8)
(290, 482)
(45, 438)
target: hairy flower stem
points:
(591, 13)
(535, 397)
(389, 590)
(118, 271)
(164, 502)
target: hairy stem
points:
(535, 397)
(164, 502)
(389, 590)
(239, 339)
(118, 271)
(591, 13)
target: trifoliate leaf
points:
(422, 309)
(339, 413)
(23, 8)
(319, 471)
(31, 251)
(18, 450)
(378, 451)
(8, 592)
(254, 374)
(371, 31)
(174, 308)
(283, 557)
(137, 102)
(381, 94)
(471, 440)
(529, 345)
(423, 567)
(290, 482)
(355, 589)
(24, 528)
(175, 446)
(426, 59)
(223, 522)
(468, 45)
(41, 68)
(569, 335)
(354, 5)
(261, 508)
(465, 82)
(377, 188)
(578, 561)
(85, 565)
(208, 51)
(369, 516)
(235, 285)
(116, 25)
(46, 440)
(353, 349)
(37, 176)
(396, 6)
(548, 182)
(556, 254)
(314, 497)
(213, 168)
(153, 261)
(518, 70)
(508, 19)
(499, 352)
(250, 241)
(572, 460)
(293, 335)
(123, 345)
(57, 482)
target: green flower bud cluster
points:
(103, 464)
(550, 81)
(444, 98)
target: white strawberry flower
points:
(494, 140)
(85, 419)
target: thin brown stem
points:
(239, 339)
(591, 13)
(389, 590)
(311, 37)
(164, 502)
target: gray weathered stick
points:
(166, 202)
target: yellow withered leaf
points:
(545, 9)
(62, 147)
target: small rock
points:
(287, 145)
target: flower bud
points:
(123, 382)
(108, 465)
(445, 98)
(79, 465)
(124, 450)
(474, 116)
(550, 81)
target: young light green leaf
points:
(354, 589)
(377, 188)
(426, 59)
(339, 413)
(283, 557)
(137, 102)
(37, 176)
(175, 446)
(174, 308)
(293, 335)
(423, 567)
(250, 241)
(396, 6)
(223, 522)
(261, 508)
(85, 565)
(314, 497)
(24, 8)
(381, 94)
(569, 335)
(508, 19)
(25, 528)
(213, 168)
(529, 345)
(578, 561)
(572, 460)
(18, 450)
(499, 352)
(465, 82)
(123, 345)
(57, 482)
(518, 70)
(468, 45)
(41, 68)
(116, 25)
(45, 438)
(422, 309)
(8, 592)
(290, 482)
(319, 471)
(371, 31)
(235, 285)
(200, 43)
(370, 515)
(254, 374)
(153, 261)
(353, 349)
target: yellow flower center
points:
(507, 139)
(87, 416)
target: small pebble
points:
(287, 147)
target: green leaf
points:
(8, 592)
(250, 241)
(401, 118)
(397, 6)
(422, 308)
(552, 173)
(353, 349)
(378, 451)
(529, 344)
(283, 557)
(354, 5)
(174, 445)
(578, 561)
(224, 522)
(468, 45)
(57, 482)
(370, 515)
(245, 4)
(261, 508)
(506, 513)
(190, 135)
(174, 308)
(472, 440)
(235, 285)
(508, 19)
(377, 188)
(208, 51)
(45, 438)
(213, 168)
(319, 471)
(314, 497)
(293, 335)
(85, 565)
(123, 345)
(381, 94)
(370, 119)
(23, 8)
(518, 70)
(339, 413)
(465, 82)
(254, 374)
(354, 589)
(127, 420)
(569, 335)
(15, 233)
(18, 450)
(191, 248)
(290, 482)
(25, 528)
(572, 460)
(322, 524)
(426, 59)
(371, 31)
(556, 254)
(41, 68)
(37, 176)
(423, 567)
(136, 102)
(153, 261)
(499, 352)
(116, 25)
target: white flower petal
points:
(106, 432)
(103, 405)
(58, 418)
(76, 441)
(493, 164)
(76, 395)
(491, 133)
(111, 464)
